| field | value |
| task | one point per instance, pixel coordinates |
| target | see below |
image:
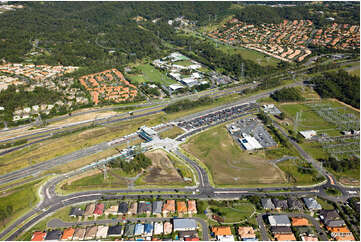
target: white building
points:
(225, 238)
(279, 220)
(249, 142)
(158, 228)
(190, 82)
(308, 134)
(174, 87)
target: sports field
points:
(150, 74)
(228, 163)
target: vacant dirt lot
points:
(228, 163)
(162, 170)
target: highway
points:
(51, 201)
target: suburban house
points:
(285, 237)
(188, 234)
(279, 220)
(184, 224)
(112, 210)
(79, 234)
(139, 229)
(181, 207)
(309, 238)
(144, 207)
(192, 207)
(167, 228)
(38, 236)
(133, 208)
(294, 204)
(91, 233)
(148, 229)
(123, 208)
(223, 233)
(341, 232)
(76, 212)
(102, 232)
(53, 235)
(246, 234)
(99, 208)
(267, 204)
(129, 230)
(168, 207)
(157, 207)
(115, 231)
(331, 218)
(281, 229)
(311, 203)
(68, 234)
(280, 204)
(158, 228)
(300, 222)
(89, 210)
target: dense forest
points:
(339, 85)
(287, 94)
(341, 165)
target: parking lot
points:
(218, 116)
(253, 127)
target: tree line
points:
(187, 104)
(287, 94)
(139, 162)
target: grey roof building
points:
(279, 220)
(190, 233)
(335, 223)
(144, 207)
(184, 224)
(312, 204)
(294, 204)
(123, 208)
(129, 230)
(115, 231)
(157, 207)
(281, 229)
(53, 235)
(267, 204)
(75, 212)
(280, 204)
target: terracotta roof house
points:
(68, 234)
(340, 231)
(79, 234)
(192, 207)
(246, 233)
(123, 208)
(300, 222)
(223, 230)
(133, 208)
(167, 228)
(115, 231)
(169, 207)
(113, 210)
(191, 239)
(90, 233)
(102, 232)
(99, 208)
(181, 207)
(89, 210)
(53, 235)
(309, 238)
(38, 236)
(345, 238)
(285, 237)
(76, 212)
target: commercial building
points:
(308, 134)
(249, 143)
(146, 133)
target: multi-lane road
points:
(51, 201)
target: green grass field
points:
(171, 133)
(294, 176)
(228, 163)
(150, 74)
(238, 212)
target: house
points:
(102, 232)
(157, 207)
(311, 203)
(279, 220)
(90, 233)
(115, 231)
(184, 224)
(99, 208)
(89, 210)
(308, 134)
(285, 237)
(144, 207)
(139, 229)
(167, 228)
(181, 207)
(79, 234)
(133, 208)
(300, 222)
(148, 229)
(168, 207)
(38, 236)
(225, 238)
(192, 207)
(123, 208)
(158, 228)
(129, 230)
(191, 239)
(294, 204)
(112, 210)
(267, 204)
(68, 234)
(331, 218)
(76, 212)
(309, 238)
(339, 232)
(188, 234)
(281, 229)
(223, 230)
(246, 233)
(53, 235)
(280, 204)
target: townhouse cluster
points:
(182, 69)
(288, 40)
(338, 37)
(108, 85)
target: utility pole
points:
(105, 171)
(242, 71)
